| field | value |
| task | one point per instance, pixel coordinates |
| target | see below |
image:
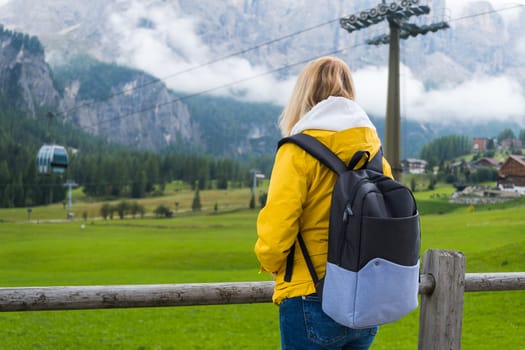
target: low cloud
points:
(520, 47)
(167, 46)
(159, 41)
(455, 8)
(479, 99)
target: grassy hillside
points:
(226, 200)
(219, 248)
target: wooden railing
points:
(442, 285)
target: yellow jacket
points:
(299, 200)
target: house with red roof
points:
(512, 174)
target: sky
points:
(174, 46)
(465, 100)
(480, 98)
(455, 6)
(484, 98)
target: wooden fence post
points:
(441, 311)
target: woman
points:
(322, 105)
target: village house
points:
(414, 166)
(511, 144)
(512, 174)
(479, 144)
(486, 162)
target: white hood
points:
(335, 114)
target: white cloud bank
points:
(456, 6)
(482, 99)
(170, 45)
(172, 50)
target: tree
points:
(262, 199)
(413, 184)
(432, 184)
(522, 136)
(122, 209)
(196, 204)
(137, 208)
(163, 211)
(252, 201)
(445, 148)
(506, 134)
(484, 174)
(105, 210)
(138, 187)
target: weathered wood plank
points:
(128, 296)
(440, 317)
(427, 283)
(483, 282)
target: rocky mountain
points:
(190, 64)
(103, 99)
(25, 77)
(475, 43)
(150, 118)
(128, 106)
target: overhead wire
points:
(204, 92)
(202, 65)
(287, 66)
(404, 79)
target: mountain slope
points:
(150, 63)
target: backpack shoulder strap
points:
(318, 150)
(376, 163)
(325, 155)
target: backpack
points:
(372, 269)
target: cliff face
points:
(149, 118)
(25, 77)
(479, 43)
(124, 105)
(130, 111)
(184, 33)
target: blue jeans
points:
(304, 326)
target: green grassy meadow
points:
(218, 247)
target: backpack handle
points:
(357, 158)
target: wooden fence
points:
(442, 285)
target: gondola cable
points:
(203, 92)
(199, 66)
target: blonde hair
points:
(321, 78)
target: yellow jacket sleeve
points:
(278, 222)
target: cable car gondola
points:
(52, 159)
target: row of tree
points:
(445, 153)
(103, 169)
(20, 40)
(109, 171)
(445, 148)
(449, 147)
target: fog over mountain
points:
(252, 50)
